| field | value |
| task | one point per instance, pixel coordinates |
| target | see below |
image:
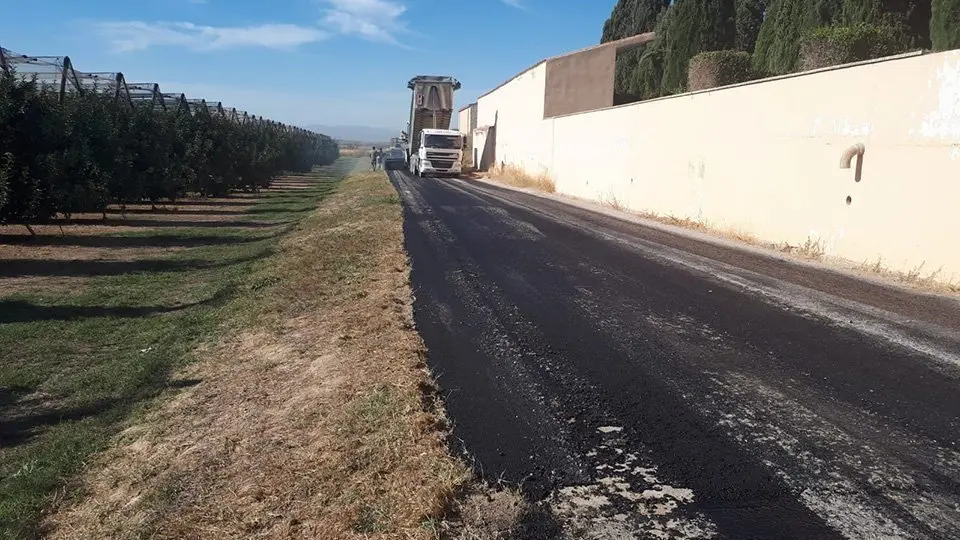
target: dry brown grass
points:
(729, 233)
(313, 422)
(485, 513)
(355, 152)
(518, 177)
(813, 249)
(917, 278)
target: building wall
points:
(463, 120)
(580, 82)
(467, 119)
(467, 122)
(763, 158)
(516, 111)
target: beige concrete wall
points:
(467, 119)
(580, 82)
(466, 123)
(516, 109)
(463, 120)
(764, 159)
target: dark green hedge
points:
(774, 31)
(945, 25)
(90, 150)
(834, 45)
(684, 28)
(719, 68)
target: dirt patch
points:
(315, 422)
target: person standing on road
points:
(373, 158)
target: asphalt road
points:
(639, 383)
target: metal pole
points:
(156, 95)
(63, 77)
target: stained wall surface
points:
(764, 158)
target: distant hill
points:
(356, 133)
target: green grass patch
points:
(74, 369)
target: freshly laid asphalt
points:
(635, 382)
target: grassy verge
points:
(313, 417)
(80, 359)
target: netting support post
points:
(67, 65)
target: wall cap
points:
(621, 44)
(901, 56)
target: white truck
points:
(432, 148)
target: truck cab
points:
(433, 149)
(439, 153)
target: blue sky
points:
(333, 62)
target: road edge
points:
(835, 265)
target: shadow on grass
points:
(91, 377)
(285, 208)
(138, 241)
(35, 414)
(183, 383)
(156, 223)
(65, 268)
(20, 311)
(205, 202)
(17, 311)
(167, 211)
(25, 415)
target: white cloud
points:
(374, 20)
(129, 36)
(513, 3)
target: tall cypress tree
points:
(749, 18)
(695, 26)
(945, 25)
(778, 44)
(629, 18)
(632, 17)
(647, 81)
